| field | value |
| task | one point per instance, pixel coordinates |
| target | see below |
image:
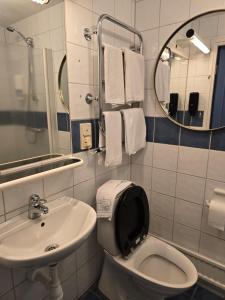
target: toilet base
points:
(117, 284)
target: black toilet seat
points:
(131, 219)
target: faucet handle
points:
(35, 199)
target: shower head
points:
(28, 40)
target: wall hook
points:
(90, 98)
(88, 33)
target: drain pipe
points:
(51, 282)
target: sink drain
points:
(51, 247)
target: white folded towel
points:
(135, 129)
(134, 76)
(108, 195)
(113, 138)
(114, 75)
(162, 82)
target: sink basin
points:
(48, 239)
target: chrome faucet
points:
(36, 207)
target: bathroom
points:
(52, 152)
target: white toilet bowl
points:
(155, 270)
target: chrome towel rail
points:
(88, 35)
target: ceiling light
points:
(41, 1)
(195, 40)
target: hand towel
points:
(134, 76)
(135, 129)
(113, 138)
(162, 82)
(114, 75)
(107, 197)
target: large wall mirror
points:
(190, 73)
(34, 121)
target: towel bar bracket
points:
(89, 98)
(88, 33)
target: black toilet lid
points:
(131, 219)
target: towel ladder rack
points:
(88, 35)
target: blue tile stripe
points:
(160, 130)
(63, 120)
(35, 119)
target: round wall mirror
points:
(63, 84)
(190, 73)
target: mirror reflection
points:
(32, 47)
(190, 73)
(63, 84)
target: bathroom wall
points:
(79, 271)
(179, 168)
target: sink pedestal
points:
(51, 282)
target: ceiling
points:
(12, 11)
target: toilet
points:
(138, 266)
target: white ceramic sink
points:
(24, 242)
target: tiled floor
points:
(194, 294)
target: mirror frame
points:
(61, 97)
(158, 58)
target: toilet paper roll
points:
(216, 217)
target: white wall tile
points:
(104, 7)
(186, 237)
(86, 276)
(67, 266)
(19, 195)
(150, 103)
(87, 250)
(216, 170)
(193, 161)
(201, 6)
(68, 193)
(8, 296)
(87, 170)
(78, 18)
(80, 64)
(161, 227)
(163, 181)
(6, 282)
(150, 38)
(174, 11)
(1, 204)
(149, 73)
(162, 205)
(147, 14)
(212, 247)
(141, 175)
(124, 10)
(80, 109)
(144, 156)
(190, 188)
(70, 288)
(165, 156)
(58, 182)
(86, 192)
(28, 290)
(188, 213)
(85, 3)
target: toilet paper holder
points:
(219, 192)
